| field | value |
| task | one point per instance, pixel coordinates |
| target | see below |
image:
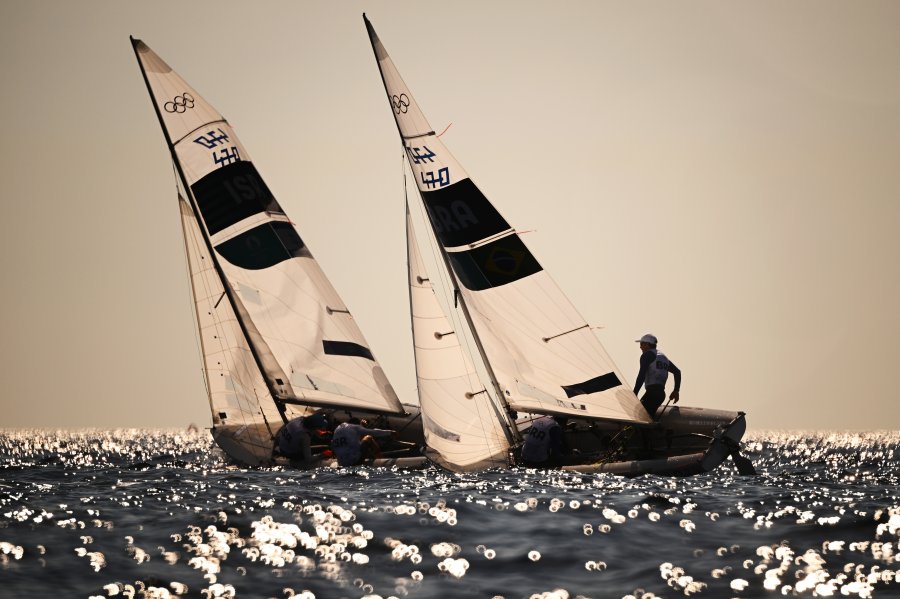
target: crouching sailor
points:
(543, 444)
(352, 443)
(655, 369)
(299, 438)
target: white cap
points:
(648, 338)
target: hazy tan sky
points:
(724, 175)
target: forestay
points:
(277, 305)
(463, 426)
(543, 353)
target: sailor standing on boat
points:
(655, 369)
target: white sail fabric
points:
(243, 413)
(542, 352)
(304, 338)
(462, 423)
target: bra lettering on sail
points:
(180, 103)
(400, 103)
(455, 216)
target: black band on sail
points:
(347, 348)
(230, 194)
(494, 264)
(594, 385)
(263, 246)
(461, 214)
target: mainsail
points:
(543, 354)
(274, 332)
(464, 428)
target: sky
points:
(723, 175)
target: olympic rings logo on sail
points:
(400, 103)
(180, 103)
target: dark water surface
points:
(133, 513)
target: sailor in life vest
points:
(352, 442)
(655, 369)
(543, 444)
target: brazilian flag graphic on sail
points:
(494, 264)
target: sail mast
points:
(507, 420)
(229, 293)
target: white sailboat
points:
(539, 355)
(277, 341)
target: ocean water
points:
(134, 513)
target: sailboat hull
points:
(252, 445)
(724, 441)
(234, 441)
(679, 430)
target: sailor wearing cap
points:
(655, 369)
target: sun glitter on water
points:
(162, 514)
